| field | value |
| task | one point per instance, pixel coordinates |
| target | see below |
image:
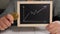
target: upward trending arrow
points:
(36, 12)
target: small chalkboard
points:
(34, 13)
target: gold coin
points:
(15, 15)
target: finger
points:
(47, 26)
(53, 24)
(10, 18)
(3, 26)
(53, 30)
(50, 26)
(6, 22)
(57, 22)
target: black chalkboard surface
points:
(35, 12)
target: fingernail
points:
(2, 29)
(12, 22)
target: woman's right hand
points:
(6, 21)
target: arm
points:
(6, 19)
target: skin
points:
(54, 28)
(6, 21)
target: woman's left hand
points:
(54, 27)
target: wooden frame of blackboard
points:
(33, 2)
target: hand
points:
(6, 21)
(54, 28)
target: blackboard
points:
(35, 12)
